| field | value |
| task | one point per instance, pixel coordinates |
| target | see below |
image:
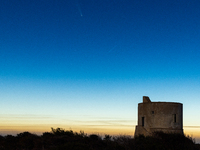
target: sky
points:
(85, 64)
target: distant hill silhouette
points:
(60, 139)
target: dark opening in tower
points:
(174, 118)
(143, 121)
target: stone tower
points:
(159, 116)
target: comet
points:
(79, 9)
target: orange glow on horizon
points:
(194, 133)
(39, 129)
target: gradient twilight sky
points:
(85, 64)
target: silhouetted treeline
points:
(59, 139)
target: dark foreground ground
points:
(59, 139)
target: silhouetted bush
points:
(28, 141)
(10, 143)
(60, 139)
(95, 137)
(164, 141)
(107, 137)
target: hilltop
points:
(60, 139)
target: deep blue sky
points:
(94, 53)
(113, 39)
